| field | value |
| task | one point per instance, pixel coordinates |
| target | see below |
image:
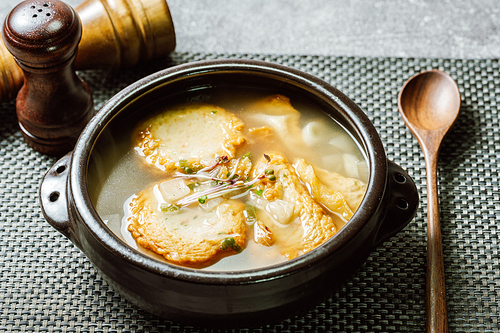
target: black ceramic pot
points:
(240, 298)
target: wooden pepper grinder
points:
(54, 104)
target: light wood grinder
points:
(116, 33)
(44, 37)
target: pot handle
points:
(402, 201)
(53, 198)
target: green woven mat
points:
(48, 285)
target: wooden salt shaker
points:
(54, 104)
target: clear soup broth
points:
(278, 168)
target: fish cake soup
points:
(233, 179)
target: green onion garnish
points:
(230, 243)
(169, 207)
(202, 199)
(251, 212)
(194, 185)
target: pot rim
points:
(370, 138)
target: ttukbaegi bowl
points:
(235, 298)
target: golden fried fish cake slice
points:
(328, 197)
(189, 136)
(194, 237)
(324, 184)
(306, 224)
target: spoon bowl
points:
(429, 103)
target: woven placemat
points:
(48, 285)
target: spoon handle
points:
(437, 318)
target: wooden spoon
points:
(429, 103)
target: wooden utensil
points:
(429, 103)
(116, 33)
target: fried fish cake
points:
(300, 223)
(194, 236)
(329, 197)
(191, 136)
(325, 183)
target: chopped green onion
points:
(214, 111)
(230, 243)
(247, 155)
(222, 159)
(169, 207)
(259, 192)
(216, 182)
(185, 166)
(202, 199)
(251, 212)
(194, 185)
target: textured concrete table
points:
(386, 28)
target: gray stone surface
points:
(386, 28)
